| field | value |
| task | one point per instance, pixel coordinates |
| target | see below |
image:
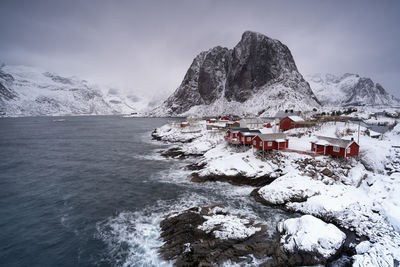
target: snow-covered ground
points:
(310, 234)
(361, 194)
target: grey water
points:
(91, 191)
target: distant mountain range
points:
(27, 91)
(349, 90)
(258, 75)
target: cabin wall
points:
(285, 124)
(354, 150)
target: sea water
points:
(92, 190)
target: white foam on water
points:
(133, 238)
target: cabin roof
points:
(272, 136)
(239, 130)
(324, 140)
(250, 133)
(295, 118)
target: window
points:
(255, 142)
(248, 139)
(269, 143)
(336, 149)
(348, 150)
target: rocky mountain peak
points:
(256, 64)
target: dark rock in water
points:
(233, 179)
(155, 136)
(177, 153)
(189, 246)
(196, 166)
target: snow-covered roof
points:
(272, 136)
(295, 118)
(324, 140)
(266, 130)
(252, 120)
(251, 133)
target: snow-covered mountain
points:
(258, 75)
(349, 89)
(28, 91)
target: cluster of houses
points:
(264, 141)
(265, 135)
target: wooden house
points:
(231, 135)
(270, 141)
(246, 137)
(289, 122)
(335, 147)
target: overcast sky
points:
(145, 47)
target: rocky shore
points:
(356, 196)
(211, 236)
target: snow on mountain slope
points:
(28, 91)
(349, 89)
(258, 75)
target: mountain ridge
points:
(256, 66)
(349, 90)
(29, 91)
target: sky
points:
(146, 47)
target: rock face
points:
(258, 74)
(28, 91)
(209, 236)
(349, 90)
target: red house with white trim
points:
(246, 137)
(289, 122)
(335, 147)
(231, 135)
(271, 141)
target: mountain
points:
(349, 90)
(28, 91)
(258, 75)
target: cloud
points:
(146, 47)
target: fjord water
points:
(84, 191)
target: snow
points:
(363, 194)
(296, 118)
(310, 234)
(38, 92)
(289, 187)
(349, 88)
(228, 227)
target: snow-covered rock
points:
(257, 76)
(290, 187)
(28, 91)
(308, 234)
(349, 89)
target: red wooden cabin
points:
(271, 141)
(246, 137)
(289, 122)
(335, 147)
(231, 135)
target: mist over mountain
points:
(29, 91)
